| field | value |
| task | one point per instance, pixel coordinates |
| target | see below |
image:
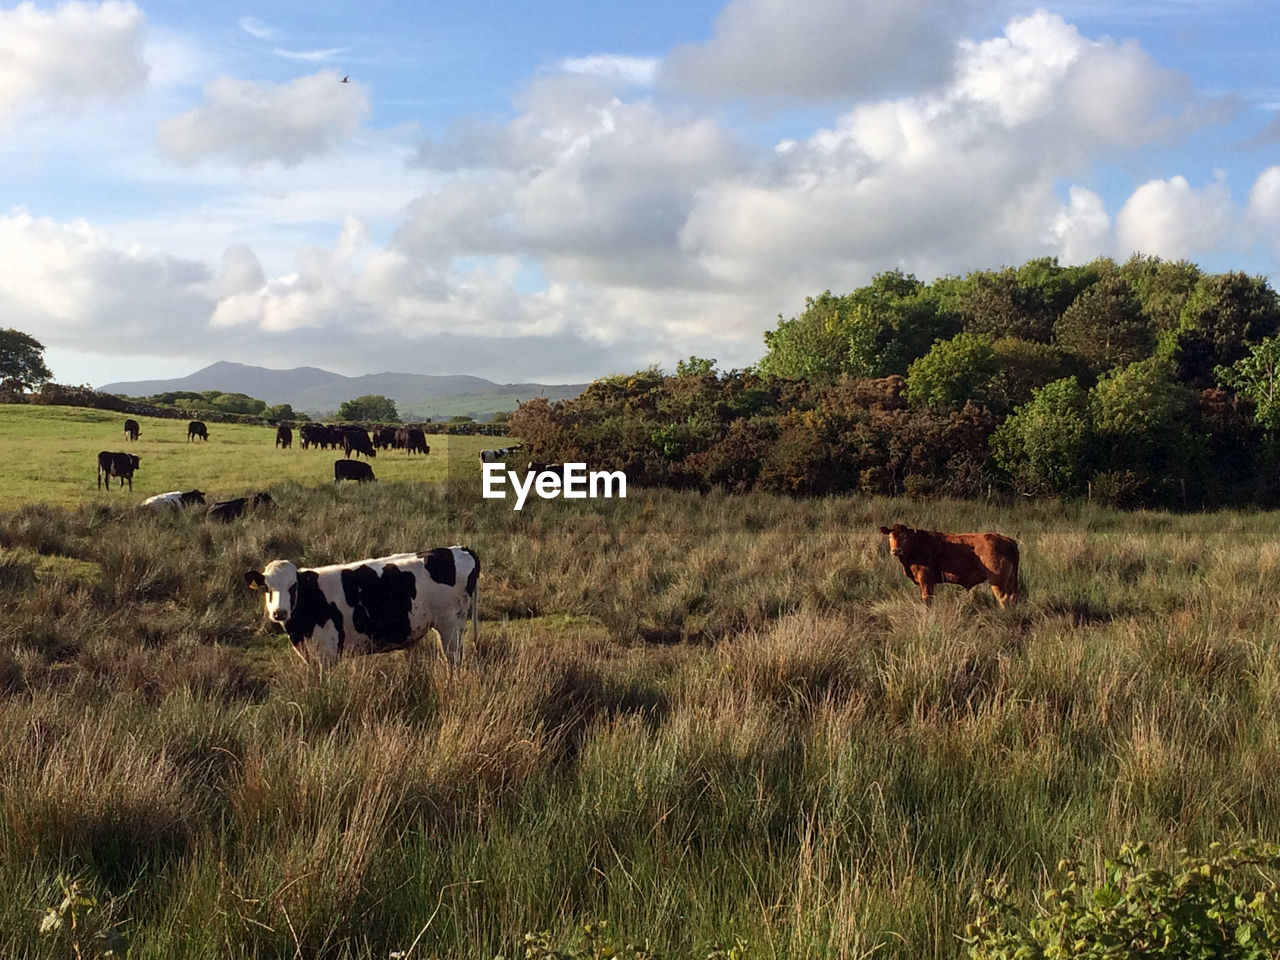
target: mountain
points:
(316, 391)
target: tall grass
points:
(694, 716)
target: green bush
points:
(1225, 906)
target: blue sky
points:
(563, 190)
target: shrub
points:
(1224, 906)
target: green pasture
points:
(697, 717)
(52, 455)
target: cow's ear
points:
(886, 531)
(255, 580)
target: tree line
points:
(1143, 382)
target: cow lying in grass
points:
(373, 606)
(174, 501)
(930, 558)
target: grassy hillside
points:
(53, 451)
(825, 768)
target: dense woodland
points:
(1138, 383)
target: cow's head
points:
(900, 538)
(279, 580)
(134, 460)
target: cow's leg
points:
(451, 642)
(100, 479)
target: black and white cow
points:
(131, 429)
(284, 436)
(352, 470)
(119, 465)
(174, 501)
(197, 428)
(374, 606)
(497, 456)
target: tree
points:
(1022, 366)
(1257, 376)
(893, 320)
(283, 411)
(812, 346)
(695, 366)
(1141, 421)
(953, 372)
(1223, 317)
(369, 407)
(1162, 288)
(1044, 443)
(1105, 326)
(22, 364)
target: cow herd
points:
(390, 603)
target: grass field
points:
(54, 453)
(698, 717)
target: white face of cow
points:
(279, 583)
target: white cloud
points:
(254, 123)
(1264, 207)
(1171, 219)
(634, 71)
(963, 177)
(69, 285)
(256, 28)
(1082, 230)
(313, 56)
(775, 51)
(69, 56)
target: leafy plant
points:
(83, 924)
(1225, 906)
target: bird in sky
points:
(346, 79)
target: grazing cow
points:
(174, 501)
(373, 606)
(284, 437)
(929, 558)
(131, 429)
(319, 435)
(355, 438)
(384, 438)
(196, 428)
(497, 456)
(416, 442)
(228, 510)
(352, 470)
(119, 465)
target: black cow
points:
(119, 465)
(196, 428)
(416, 441)
(536, 467)
(356, 439)
(352, 470)
(230, 509)
(131, 429)
(384, 438)
(284, 437)
(316, 435)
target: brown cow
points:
(929, 557)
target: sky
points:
(562, 190)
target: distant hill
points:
(317, 392)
